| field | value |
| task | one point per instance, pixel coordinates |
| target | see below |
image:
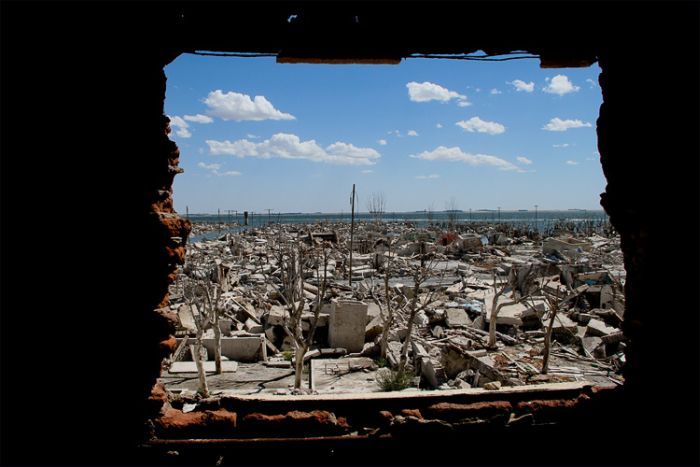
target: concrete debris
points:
(443, 281)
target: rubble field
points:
(286, 309)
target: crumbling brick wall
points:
(647, 136)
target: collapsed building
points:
(566, 291)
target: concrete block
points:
(277, 316)
(346, 325)
(457, 317)
(598, 328)
(373, 329)
(252, 327)
(242, 349)
(184, 313)
(209, 367)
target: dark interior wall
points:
(84, 156)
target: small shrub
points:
(381, 362)
(288, 355)
(390, 380)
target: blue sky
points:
(426, 131)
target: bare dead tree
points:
(452, 211)
(294, 263)
(386, 311)
(430, 214)
(556, 305)
(376, 205)
(201, 322)
(420, 275)
(512, 282)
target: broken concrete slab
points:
(227, 366)
(242, 349)
(598, 328)
(346, 327)
(455, 317)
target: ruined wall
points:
(105, 245)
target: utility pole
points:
(268, 215)
(187, 212)
(470, 214)
(536, 229)
(228, 218)
(499, 214)
(218, 216)
(352, 229)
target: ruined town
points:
(376, 306)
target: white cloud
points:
(557, 124)
(394, 132)
(214, 169)
(368, 171)
(495, 91)
(563, 145)
(427, 177)
(382, 142)
(521, 85)
(572, 162)
(427, 91)
(592, 83)
(209, 166)
(251, 136)
(439, 125)
(181, 126)
(235, 106)
(199, 118)
(560, 85)
(523, 160)
(455, 154)
(289, 146)
(464, 102)
(412, 133)
(481, 126)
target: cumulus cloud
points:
(427, 91)
(523, 160)
(180, 125)
(572, 162)
(560, 85)
(439, 125)
(199, 118)
(427, 177)
(475, 124)
(521, 85)
(382, 142)
(464, 102)
(455, 154)
(394, 132)
(368, 171)
(592, 83)
(289, 146)
(412, 133)
(235, 106)
(557, 124)
(563, 145)
(495, 91)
